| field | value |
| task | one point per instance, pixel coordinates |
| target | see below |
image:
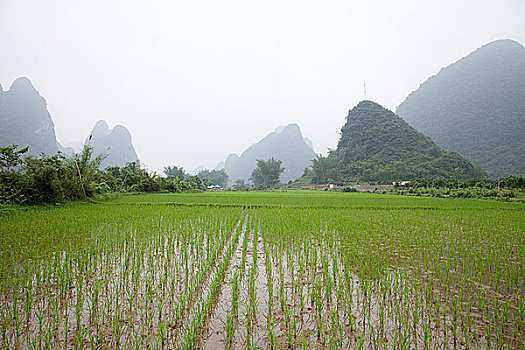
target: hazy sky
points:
(196, 80)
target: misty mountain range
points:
(475, 107)
(116, 143)
(25, 119)
(378, 145)
(286, 143)
(26, 122)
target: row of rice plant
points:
(430, 279)
(128, 286)
(229, 276)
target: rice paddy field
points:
(271, 270)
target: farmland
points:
(264, 270)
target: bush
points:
(349, 189)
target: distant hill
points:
(476, 107)
(230, 161)
(377, 145)
(197, 170)
(25, 120)
(68, 151)
(286, 144)
(116, 143)
(76, 146)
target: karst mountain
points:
(286, 143)
(115, 143)
(377, 145)
(25, 119)
(476, 107)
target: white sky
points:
(196, 80)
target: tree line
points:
(58, 179)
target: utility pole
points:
(364, 85)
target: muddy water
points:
(214, 335)
(136, 309)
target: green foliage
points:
(88, 170)
(325, 169)
(56, 179)
(175, 172)
(42, 180)
(194, 183)
(10, 187)
(240, 185)
(511, 187)
(133, 179)
(349, 189)
(10, 181)
(377, 145)
(114, 171)
(267, 173)
(10, 157)
(216, 177)
(48, 179)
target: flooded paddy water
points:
(273, 276)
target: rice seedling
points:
(277, 270)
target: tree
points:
(325, 169)
(43, 180)
(175, 172)
(195, 182)
(267, 172)
(479, 171)
(216, 177)
(49, 179)
(136, 179)
(10, 157)
(114, 171)
(86, 168)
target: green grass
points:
(271, 269)
(317, 199)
